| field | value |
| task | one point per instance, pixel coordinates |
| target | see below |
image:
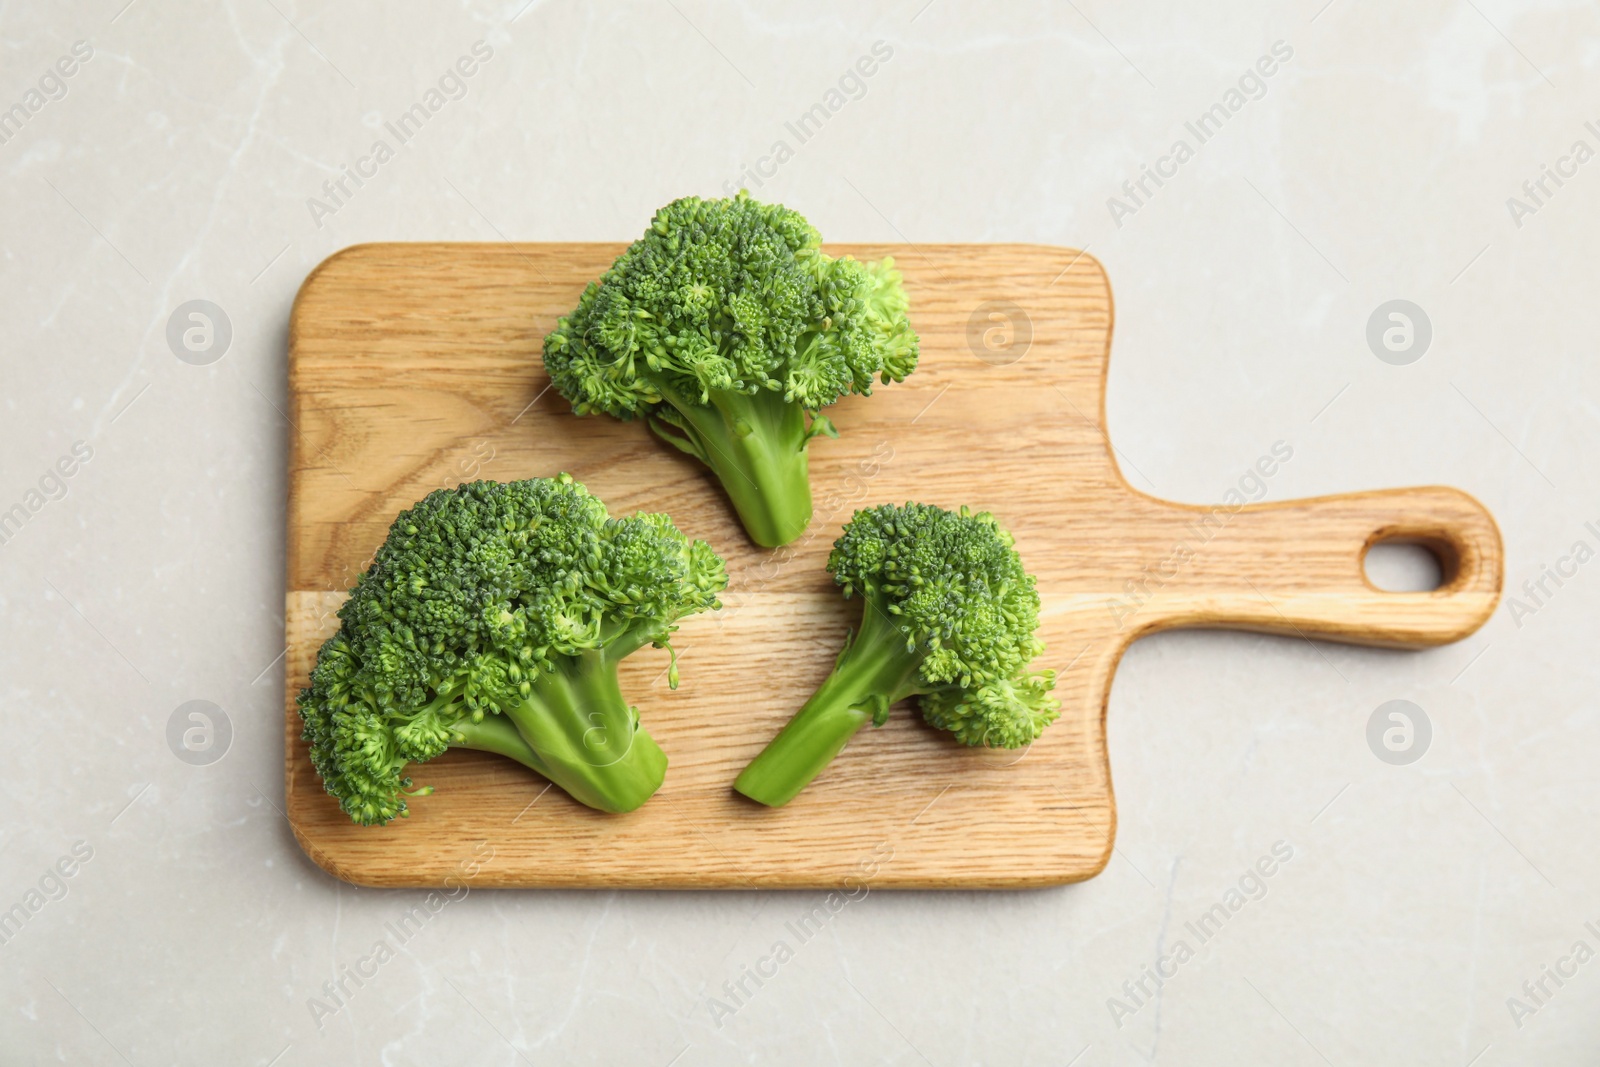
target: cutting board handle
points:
(1298, 568)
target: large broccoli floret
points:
(729, 330)
(948, 615)
(493, 618)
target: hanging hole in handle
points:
(1403, 563)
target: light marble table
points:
(189, 151)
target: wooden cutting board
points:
(416, 366)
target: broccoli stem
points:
(874, 670)
(756, 446)
(588, 739)
(496, 734)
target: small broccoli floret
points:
(948, 615)
(728, 329)
(493, 618)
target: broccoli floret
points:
(728, 330)
(493, 618)
(948, 615)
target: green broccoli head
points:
(951, 582)
(488, 612)
(729, 329)
(949, 615)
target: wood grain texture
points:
(416, 366)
